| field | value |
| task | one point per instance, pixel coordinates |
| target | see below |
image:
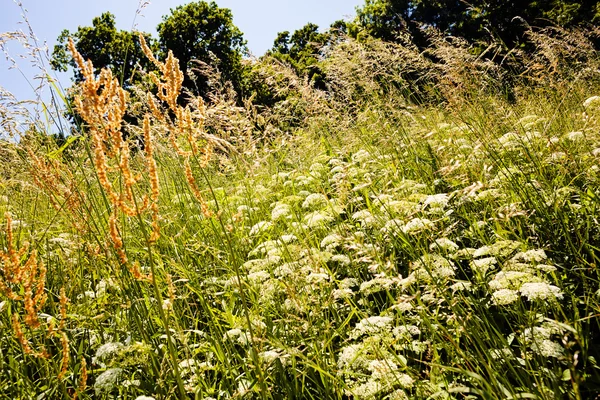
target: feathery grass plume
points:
(57, 181)
(64, 364)
(22, 281)
(83, 377)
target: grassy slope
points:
(410, 253)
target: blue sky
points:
(259, 20)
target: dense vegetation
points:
(361, 216)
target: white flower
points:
(317, 278)
(530, 256)
(342, 293)
(281, 211)
(591, 101)
(417, 225)
(288, 238)
(350, 354)
(260, 227)
(548, 348)
(106, 381)
(315, 201)
(540, 291)
(406, 331)
(341, 258)
(364, 216)
(405, 381)
(444, 244)
(144, 398)
(398, 394)
(258, 276)
(238, 335)
(361, 156)
(482, 265)
(575, 136)
(461, 285)
(371, 326)
(106, 351)
(392, 227)
(332, 240)
(504, 297)
(368, 390)
(436, 200)
(382, 370)
(377, 285)
(317, 219)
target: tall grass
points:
(381, 249)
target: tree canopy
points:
(473, 20)
(105, 46)
(196, 31)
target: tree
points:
(473, 20)
(197, 30)
(303, 49)
(106, 47)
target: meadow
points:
(393, 238)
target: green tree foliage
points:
(303, 49)
(197, 31)
(105, 46)
(203, 31)
(473, 20)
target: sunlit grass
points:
(394, 251)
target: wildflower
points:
(238, 335)
(398, 207)
(371, 326)
(548, 348)
(417, 225)
(383, 370)
(260, 227)
(281, 211)
(364, 217)
(144, 398)
(502, 248)
(378, 284)
(501, 354)
(540, 291)
(482, 265)
(106, 381)
(341, 259)
(511, 279)
(317, 278)
(106, 351)
(270, 356)
(258, 276)
(504, 297)
(444, 244)
(575, 136)
(367, 390)
(288, 238)
(436, 200)
(530, 256)
(398, 394)
(590, 102)
(406, 331)
(317, 219)
(461, 286)
(315, 201)
(332, 241)
(342, 293)
(392, 227)
(349, 356)
(405, 381)
(361, 156)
